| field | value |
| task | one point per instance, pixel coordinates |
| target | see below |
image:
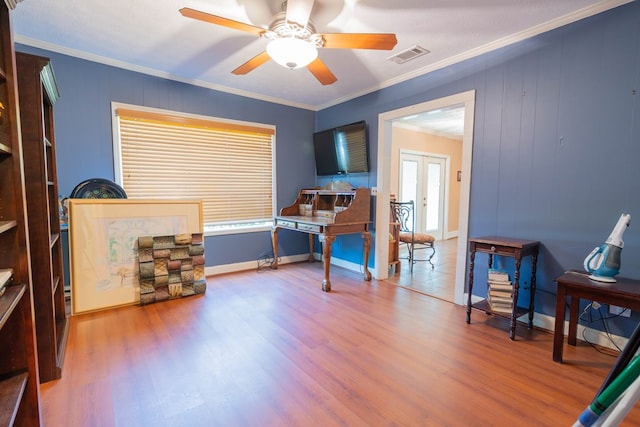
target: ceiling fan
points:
(293, 41)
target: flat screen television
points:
(342, 150)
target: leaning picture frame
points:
(102, 245)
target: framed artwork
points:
(103, 249)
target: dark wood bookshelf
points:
(38, 94)
(19, 375)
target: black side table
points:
(510, 247)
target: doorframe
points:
(385, 122)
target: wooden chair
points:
(403, 213)
(394, 246)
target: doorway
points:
(422, 179)
(385, 149)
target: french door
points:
(422, 179)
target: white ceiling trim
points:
(152, 72)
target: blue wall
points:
(556, 140)
(84, 142)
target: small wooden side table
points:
(576, 285)
(510, 247)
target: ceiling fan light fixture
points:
(292, 52)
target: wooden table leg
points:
(516, 292)
(573, 320)
(366, 236)
(274, 242)
(532, 289)
(311, 239)
(326, 241)
(472, 257)
(558, 331)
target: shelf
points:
(62, 330)
(484, 306)
(55, 283)
(7, 225)
(5, 276)
(11, 391)
(53, 239)
(4, 149)
(9, 301)
(38, 92)
(19, 397)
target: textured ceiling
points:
(151, 36)
(447, 122)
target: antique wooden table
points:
(510, 247)
(576, 285)
(327, 214)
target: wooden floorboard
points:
(271, 349)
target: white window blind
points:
(227, 165)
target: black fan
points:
(98, 188)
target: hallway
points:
(438, 282)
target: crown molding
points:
(52, 47)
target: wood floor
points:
(272, 349)
(438, 281)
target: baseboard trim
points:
(250, 265)
(450, 234)
(216, 270)
(540, 321)
(596, 337)
(599, 338)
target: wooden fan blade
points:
(359, 41)
(218, 20)
(298, 11)
(322, 72)
(252, 64)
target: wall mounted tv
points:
(342, 150)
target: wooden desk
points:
(510, 247)
(576, 285)
(327, 214)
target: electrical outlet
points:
(374, 191)
(615, 310)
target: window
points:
(229, 165)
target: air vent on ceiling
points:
(408, 54)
